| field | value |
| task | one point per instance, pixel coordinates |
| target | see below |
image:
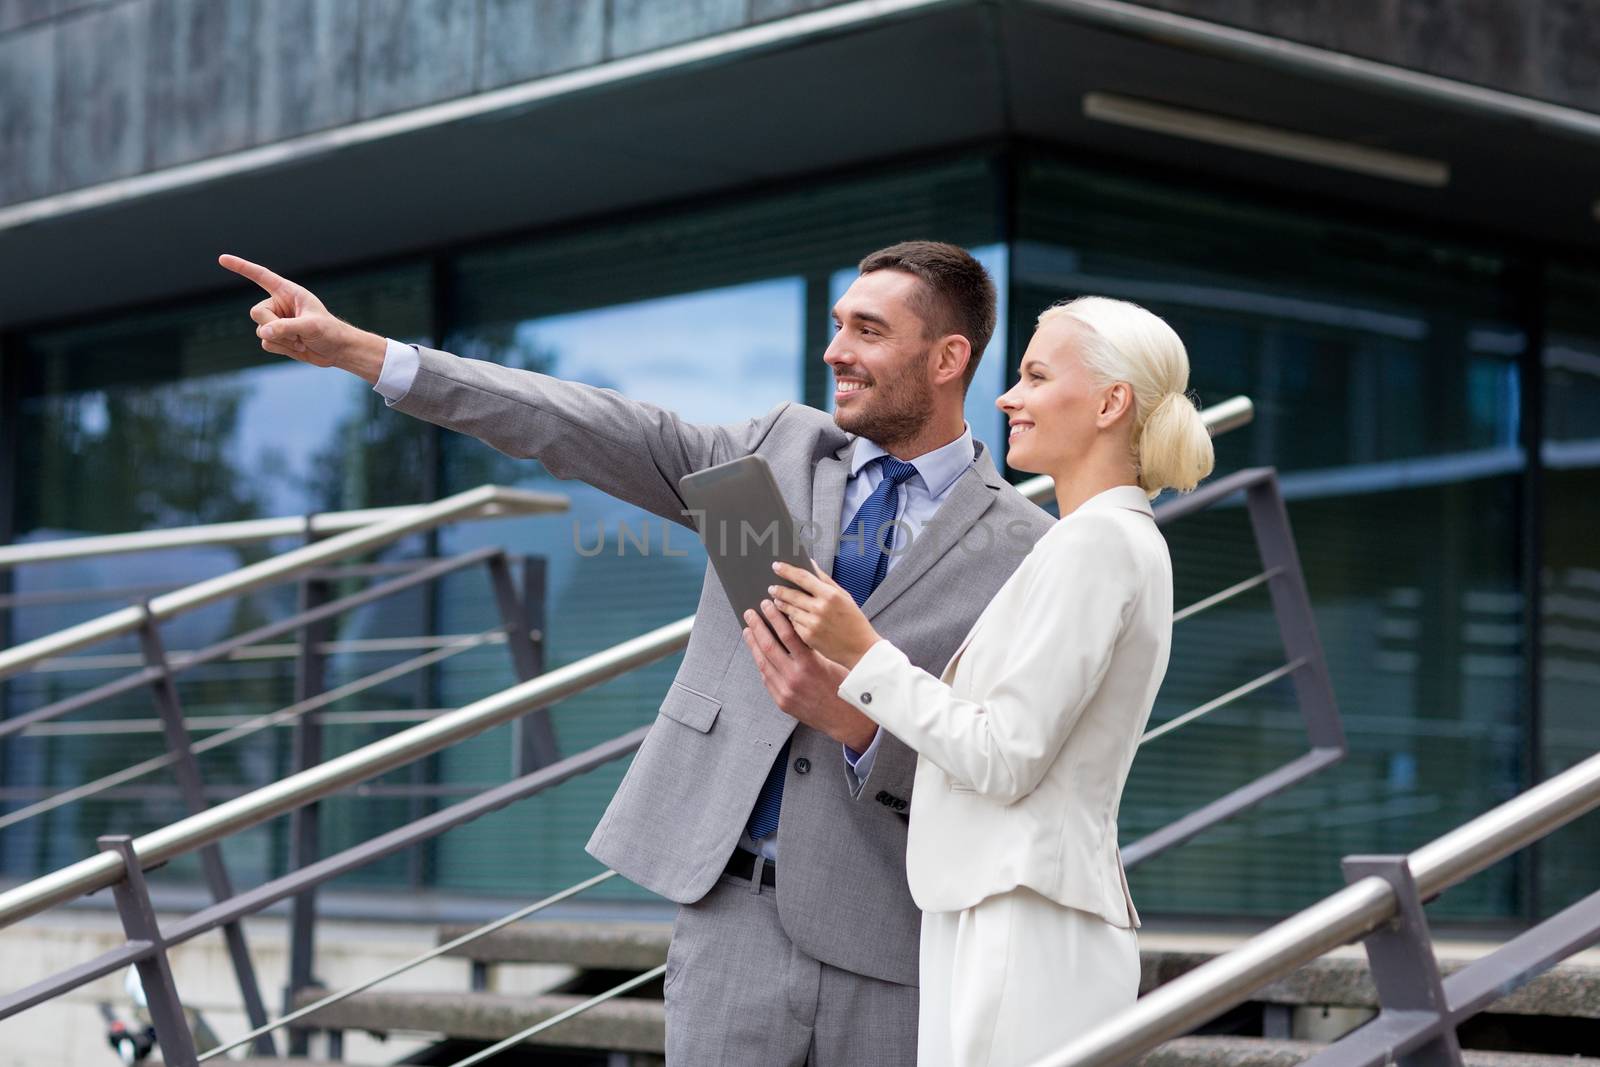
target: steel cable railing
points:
(179, 662)
(211, 825)
(253, 726)
(100, 871)
(474, 503)
(577, 1009)
(416, 961)
(500, 503)
(277, 798)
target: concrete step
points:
(1572, 989)
(608, 946)
(1261, 1052)
(623, 1025)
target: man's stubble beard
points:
(900, 408)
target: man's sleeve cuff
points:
(400, 363)
(858, 766)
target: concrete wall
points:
(92, 90)
(1548, 49)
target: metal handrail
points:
(477, 502)
(361, 646)
(251, 726)
(1219, 418)
(184, 661)
(249, 531)
(212, 825)
(159, 846)
(1204, 993)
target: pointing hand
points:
(292, 322)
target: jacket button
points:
(802, 765)
(866, 698)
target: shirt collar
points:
(938, 469)
(1121, 496)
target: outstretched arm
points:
(634, 451)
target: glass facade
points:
(1384, 370)
(1450, 572)
(1569, 586)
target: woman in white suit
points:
(1025, 740)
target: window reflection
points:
(1385, 380)
(716, 356)
(172, 419)
(1570, 594)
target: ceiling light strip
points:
(1266, 140)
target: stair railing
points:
(501, 502)
(482, 502)
(364, 531)
(1382, 905)
(124, 860)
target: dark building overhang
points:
(805, 96)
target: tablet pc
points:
(745, 526)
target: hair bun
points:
(1174, 446)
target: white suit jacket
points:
(1025, 740)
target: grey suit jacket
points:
(684, 802)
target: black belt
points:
(742, 864)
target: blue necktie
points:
(859, 565)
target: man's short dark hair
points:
(956, 295)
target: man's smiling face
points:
(880, 358)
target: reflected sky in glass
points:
(714, 356)
(290, 412)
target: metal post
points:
(1400, 954)
(155, 972)
(1291, 606)
(304, 843)
(192, 788)
(534, 737)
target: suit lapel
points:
(971, 496)
(827, 503)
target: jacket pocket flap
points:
(691, 707)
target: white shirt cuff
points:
(400, 363)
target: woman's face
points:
(1055, 408)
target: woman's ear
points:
(1115, 402)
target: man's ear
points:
(950, 358)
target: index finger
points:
(801, 579)
(263, 277)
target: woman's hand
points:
(823, 614)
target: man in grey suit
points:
(811, 959)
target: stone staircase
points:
(1326, 997)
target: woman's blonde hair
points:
(1122, 342)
